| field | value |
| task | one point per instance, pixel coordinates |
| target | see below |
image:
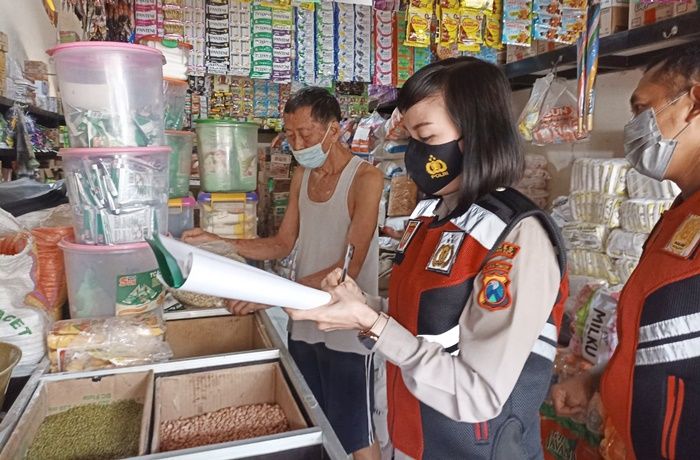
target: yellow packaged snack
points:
(471, 27)
(424, 4)
(418, 27)
(448, 4)
(477, 4)
(492, 31)
(449, 26)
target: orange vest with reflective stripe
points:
(651, 386)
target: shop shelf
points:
(620, 51)
(43, 117)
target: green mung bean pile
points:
(92, 431)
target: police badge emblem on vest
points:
(446, 252)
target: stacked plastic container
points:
(180, 204)
(228, 171)
(117, 171)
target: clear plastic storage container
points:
(229, 215)
(118, 195)
(112, 93)
(111, 280)
(180, 215)
(175, 95)
(181, 143)
(228, 155)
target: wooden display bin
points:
(189, 395)
(52, 397)
(190, 338)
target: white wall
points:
(29, 31)
(611, 113)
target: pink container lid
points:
(167, 42)
(68, 244)
(103, 151)
(102, 46)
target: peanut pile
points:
(225, 425)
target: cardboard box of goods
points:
(645, 13)
(403, 196)
(190, 338)
(116, 393)
(614, 16)
(518, 53)
(36, 70)
(685, 7)
(543, 46)
(192, 395)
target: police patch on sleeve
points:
(445, 253)
(495, 287)
(507, 250)
(411, 229)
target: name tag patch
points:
(408, 234)
(445, 253)
(684, 242)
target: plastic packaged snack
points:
(624, 267)
(641, 186)
(607, 176)
(580, 235)
(625, 244)
(596, 208)
(86, 344)
(594, 264)
(418, 27)
(640, 215)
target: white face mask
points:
(645, 147)
(312, 157)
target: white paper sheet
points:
(211, 274)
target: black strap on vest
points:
(511, 207)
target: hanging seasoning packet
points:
(418, 27)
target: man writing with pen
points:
(334, 203)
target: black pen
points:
(346, 264)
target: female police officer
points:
(473, 301)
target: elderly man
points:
(334, 200)
(651, 386)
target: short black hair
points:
(324, 106)
(478, 99)
(677, 70)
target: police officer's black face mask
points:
(432, 167)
